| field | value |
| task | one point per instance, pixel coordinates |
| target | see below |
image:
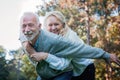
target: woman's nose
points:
(53, 27)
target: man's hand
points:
(38, 56)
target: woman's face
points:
(54, 24)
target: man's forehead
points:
(28, 19)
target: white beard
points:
(32, 36)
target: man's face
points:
(30, 27)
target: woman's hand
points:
(28, 47)
(114, 59)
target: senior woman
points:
(83, 69)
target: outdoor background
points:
(97, 22)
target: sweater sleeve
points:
(58, 63)
(66, 48)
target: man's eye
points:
(23, 26)
(30, 25)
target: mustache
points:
(28, 32)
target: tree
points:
(3, 66)
(14, 65)
(2, 52)
(28, 68)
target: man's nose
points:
(27, 28)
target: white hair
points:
(32, 14)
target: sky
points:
(10, 11)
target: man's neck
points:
(34, 40)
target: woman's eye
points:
(50, 24)
(56, 24)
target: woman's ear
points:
(63, 25)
